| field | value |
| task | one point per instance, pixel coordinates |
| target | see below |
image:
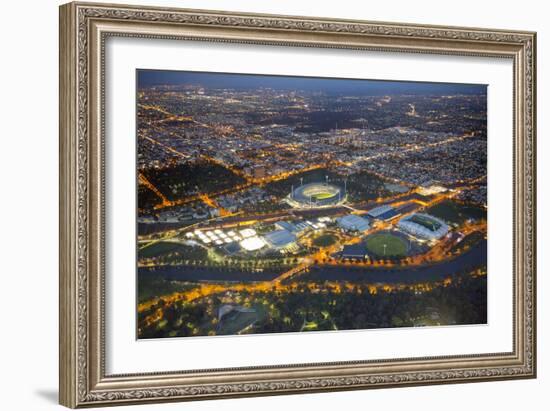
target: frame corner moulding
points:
(83, 30)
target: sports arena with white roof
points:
(424, 226)
(252, 243)
(280, 239)
(316, 195)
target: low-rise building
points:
(384, 212)
(354, 252)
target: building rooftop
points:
(388, 214)
(354, 251)
(280, 238)
(247, 232)
(232, 248)
(353, 222)
(252, 243)
(287, 225)
(379, 211)
(424, 225)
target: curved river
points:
(473, 258)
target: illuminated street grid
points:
(284, 209)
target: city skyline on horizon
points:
(146, 78)
(271, 204)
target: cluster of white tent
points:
(247, 238)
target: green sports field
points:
(323, 196)
(395, 246)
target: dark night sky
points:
(146, 78)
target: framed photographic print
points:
(259, 204)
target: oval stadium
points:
(314, 195)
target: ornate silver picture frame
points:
(84, 30)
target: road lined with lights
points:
(440, 252)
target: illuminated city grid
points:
(291, 204)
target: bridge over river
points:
(474, 257)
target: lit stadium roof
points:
(353, 222)
(252, 243)
(247, 232)
(313, 195)
(423, 226)
(280, 238)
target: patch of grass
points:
(394, 245)
(456, 213)
(323, 196)
(179, 181)
(325, 240)
(149, 286)
(165, 247)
